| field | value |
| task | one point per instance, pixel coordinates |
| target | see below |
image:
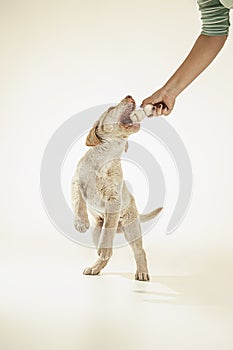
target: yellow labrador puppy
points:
(98, 188)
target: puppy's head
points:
(115, 123)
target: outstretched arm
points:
(202, 54)
(215, 27)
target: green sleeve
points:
(215, 17)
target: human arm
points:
(215, 28)
(201, 55)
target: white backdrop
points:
(61, 57)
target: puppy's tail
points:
(149, 216)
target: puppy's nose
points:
(128, 99)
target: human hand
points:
(162, 100)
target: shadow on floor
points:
(183, 290)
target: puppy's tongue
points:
(127, 121)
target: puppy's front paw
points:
(81, 225)
(91, 271)
(105, 253)
(142, 276)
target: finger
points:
(160, 109)
(166, 111)
(145, 102)
(154, 111)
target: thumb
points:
(147, 101)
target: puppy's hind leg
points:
(105, 238)
(133, 235)
(96, 268)
(81, 221)
(96, 230)
(100, 263)
(104, 254)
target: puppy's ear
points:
(92, 138)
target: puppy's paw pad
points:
(142, 276)
(81, 225)
(91, 271)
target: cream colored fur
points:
(98, 189)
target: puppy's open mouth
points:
(125, 119)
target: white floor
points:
(46, 302)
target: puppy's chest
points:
(106, 187)
(106, 180)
